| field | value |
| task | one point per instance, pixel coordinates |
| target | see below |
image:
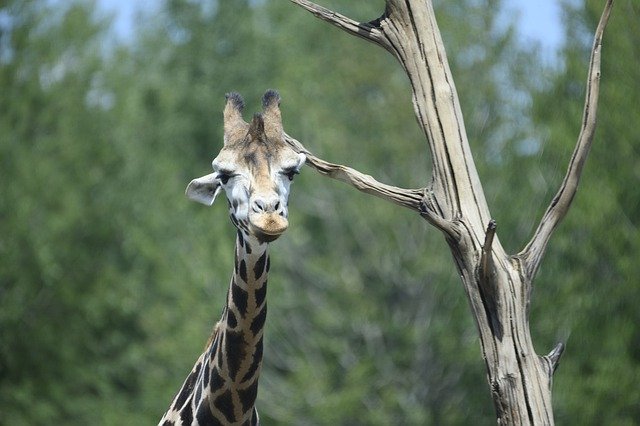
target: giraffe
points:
(255, 169)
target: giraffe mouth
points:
(268, 227)
(265, 238)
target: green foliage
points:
(60, 238)
(110, 280)
(590, 272)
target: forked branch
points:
(557, 210)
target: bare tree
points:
(497, 284)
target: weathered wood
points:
(409, 198)
(497, 285)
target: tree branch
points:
(557, 210)
(485, 258)
(367, 30)
(553, 358)
(410, 198)
(432, 212)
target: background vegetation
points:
(110, 280)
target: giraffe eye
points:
(224, 177)
(290, 173)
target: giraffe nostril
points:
(267, 204)
(258, 206)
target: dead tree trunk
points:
(497, 284)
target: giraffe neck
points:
(223, 385)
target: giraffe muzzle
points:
(267, 226)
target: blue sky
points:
(538, 20)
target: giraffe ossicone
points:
(254, 169)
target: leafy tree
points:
(66, 329)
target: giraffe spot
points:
(217, 382)
(219, 363)
(255, 364)
(258, 321)
(206, 376)
(261, 294)
(224, 404)
(232, 321)
(258, 269)
(248, 397)
(214, 344)
(198, 395)
(235, 349)
(187, 388)
(243, 270)
(239, 297)
(186, 415)
(205, 416)
(240, 239)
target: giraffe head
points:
(254, 168)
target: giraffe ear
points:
(204, 189)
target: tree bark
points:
(498, 285)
